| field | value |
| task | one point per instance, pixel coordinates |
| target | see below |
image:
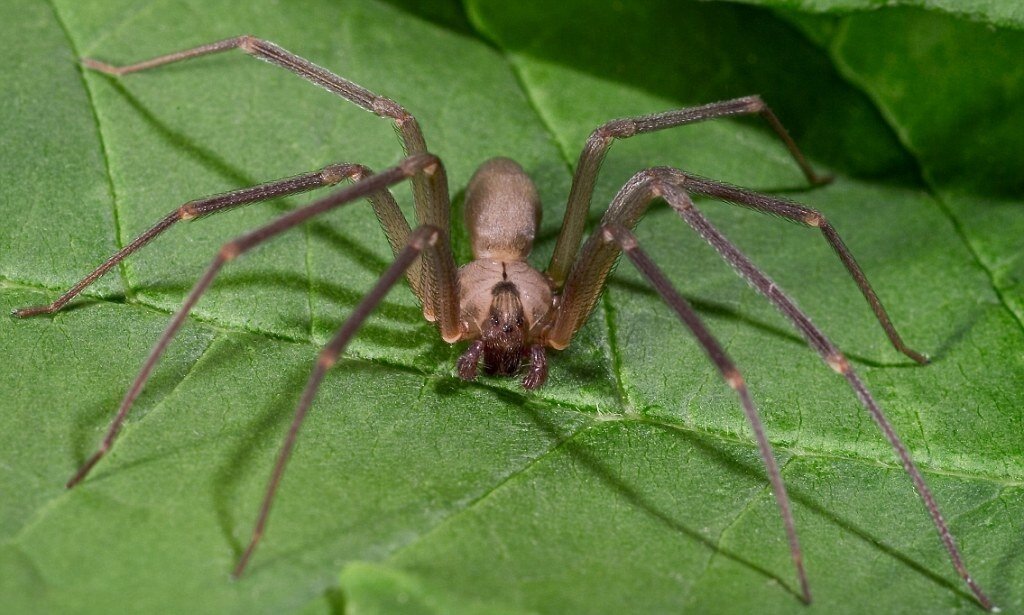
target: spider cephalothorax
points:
(506, 309)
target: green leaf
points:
(630, 483)
(1005, 13)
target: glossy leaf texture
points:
(631, 482)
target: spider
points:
(508, 311)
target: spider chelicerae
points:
(508, 311)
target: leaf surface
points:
(631, 481)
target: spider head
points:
(504, 331)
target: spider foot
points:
(535, 379)
(34, 310)
(822, 180)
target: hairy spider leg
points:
(833, 357)
(423, 240)
(593, 153)
(627, 243)
(430, 196)
(447, 301)
(384, 205)
(808, 217)
(599, 254)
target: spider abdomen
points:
(502, 211)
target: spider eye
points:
(494, 321)
(519, 321)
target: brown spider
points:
(507, 310)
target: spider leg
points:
(583, 288)
(395, 226)
(601, 139)
(431, 202)
(409, 130)
(628, 244)
(423, 240)
(446, 302)
(586, 280)
(811, 218)
(598, 255)
(680, 201)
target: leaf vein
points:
(104, 150)
(455, 514)
(853, 79)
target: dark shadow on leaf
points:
(179, 141)
(1011, 565)
(713, 51)
(350, 248)
(967, 322)
(273, 418)
(91, 423)
(78, 303)
(577, 370)
(721, 310)
(335, 598)
(448, 15)
(670, 519)
(344, 297)
(757, 472)
(754, 472)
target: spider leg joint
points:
(335, 173)
(814, 219)
(622, 236)
(617, 128)
(428, 163)
(734, 379)
(755, 103)
(838, 363)
(187, 211)
(385, 107)
(248, 43)
(229, 251)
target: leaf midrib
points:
(588, 412)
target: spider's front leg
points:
(425, 240)
(592, 155)
(431, 197)
(406, 125)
